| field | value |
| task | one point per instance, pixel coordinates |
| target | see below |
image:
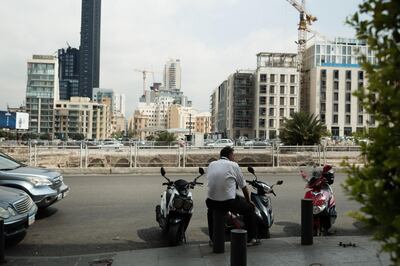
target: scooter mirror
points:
(162, 170)
(201, 170)
(250, 169)
(280, 182)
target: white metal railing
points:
(83, 155)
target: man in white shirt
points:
(223, 177)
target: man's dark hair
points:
(226, 151)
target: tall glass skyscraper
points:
(90, 47)
(68, 62)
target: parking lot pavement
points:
(278, 251)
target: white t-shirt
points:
(222, 177)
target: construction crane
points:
(144, 72)
(306, 20)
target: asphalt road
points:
(117, 213)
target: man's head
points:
(227, 152)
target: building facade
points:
(333, 74)
(42, 91)
(80, 116)
(68, 63)
(276, 94)
(203, 123)
(89, 70)
(172, 75)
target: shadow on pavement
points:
(44, 213)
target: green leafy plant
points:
(302, 129)
(377, 185)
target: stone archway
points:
(97, 162)
(155, 162)
(122, 163)
(245, 162)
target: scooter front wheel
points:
(175, 234)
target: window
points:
(336, 108)
(348, 96)
(348, 86)
(335, 74)
(291, 100)
(360, 75)
(263, 100)
(271, 111)
(272, 78)
(281, 112)
(323, 96)
(292, 90)
(271, 123)
(336, 96)
(282, 100)
(261, 123)
(322, 118)
(292, 78)
(323, 73)
(335, 119)
(263, 89)
(271, 100)
(335, 131)
(282, 89)
(323, 107)
(271, 89)
(348, 75)
(347, 119)
(263, 111)
(360, 120)
(282, 78)
(347, 131)
(348, 108)
(291, 111)
(336, 85)
(263, 77)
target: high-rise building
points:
(333, 74)
(68, 63)
(89, 70)
(172, 75)
(41, 92)
(80, 116)
(276, 92)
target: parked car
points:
(112, 144)
(17, 210)
(221, 143)
(257, 143)
(44, 186)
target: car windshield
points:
(7, 163)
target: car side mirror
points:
(201, 170)
(250, 169)
(162, 170)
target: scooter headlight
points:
(187, 205)
(319, 209)
(178, 203)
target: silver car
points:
(44, 186)
(17, 210)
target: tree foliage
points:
(166, 136)
(377, 185)
(302, 129)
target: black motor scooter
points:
(263, 208)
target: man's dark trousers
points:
(237, 206)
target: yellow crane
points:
(144, 72)
(306, 20)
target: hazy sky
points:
(212, 38)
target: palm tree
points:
(302, 129)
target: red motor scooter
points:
(324, 204)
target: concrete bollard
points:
(238, 247)
(2, 260)
(306, 222)
(218, 231)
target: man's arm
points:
(246, 194)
